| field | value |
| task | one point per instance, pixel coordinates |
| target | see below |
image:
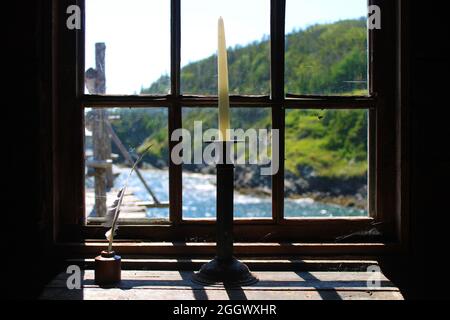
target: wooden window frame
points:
(387, 136)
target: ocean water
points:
(199, 199)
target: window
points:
(320, 77)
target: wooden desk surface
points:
(277, 285)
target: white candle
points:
(224, 100)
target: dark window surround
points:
(387, 175)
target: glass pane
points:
(253, 189)
(326, 163)
(252, 193)
(136, 34)
(113, 138)
(326, 47)
(199, 179)
(247, 33)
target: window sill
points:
(88, 249)
(168, 285)
(361, 230)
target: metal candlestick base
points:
(224, 268)
(230, 272)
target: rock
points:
(161, 164)
(249, 177)
(208, 170)
(146, 166)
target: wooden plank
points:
(136, 294)
(149, 204)
(267, 278)
(299, 231)
(272, 285)
(129, 209)
(236, 101)
(263, 264)
(240, 248)
(99, 164)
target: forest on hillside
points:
(320, 144)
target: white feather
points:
(108, 235)
(112, 215)
(113, 211)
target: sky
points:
(137, 32)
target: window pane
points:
(253, 189)
(252, 194)
(107, 167)
(136, 34)
(199, 179)
(247, 31)
(326, 47)
(326, 163)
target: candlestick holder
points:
(224, 268)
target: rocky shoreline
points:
(349, 192)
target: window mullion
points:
(175, 171)
(277, 19)
(175, 48)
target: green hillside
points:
(322, 59)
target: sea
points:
(199, 199)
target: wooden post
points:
(100, 49)
(100, 155)
(101, 140)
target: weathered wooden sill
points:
(256, 264)
(177, 285)
(181, 249)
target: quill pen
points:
(113, 213)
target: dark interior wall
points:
(28, 228)
(430, 157)
(423, 273)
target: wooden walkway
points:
(132, 207)
(177, 285)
